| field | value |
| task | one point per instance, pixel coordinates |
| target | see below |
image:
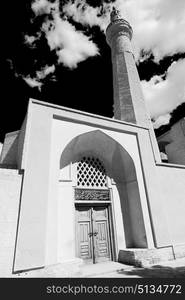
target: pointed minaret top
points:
(115, 14)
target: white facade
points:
(48, 217)
(146, 196)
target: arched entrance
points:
(116, 198)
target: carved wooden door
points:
(93, 238)
(84, 229)
(102, 235)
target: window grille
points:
(91, 173)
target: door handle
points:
(93, 233)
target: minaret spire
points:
(115, 14)
(129, 102)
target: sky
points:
(56, 51)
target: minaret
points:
(129, 102)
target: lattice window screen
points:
(91, 173)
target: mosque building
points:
(80, 188)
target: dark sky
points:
(87, 88)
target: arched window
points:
(91, 173)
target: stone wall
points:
(173, 143)
(10, 187)
(21, 143)
(9, 150)
(176, 149)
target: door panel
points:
(93, 238)
(102, 238)
(84, 227)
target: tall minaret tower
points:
(129, 102)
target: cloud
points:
(40, 7)
(162, 120)
(31, 39)
(45, 71)
(158, 29)
(163, 95)
(10, 63)
(85, 14)
(40, 75)
(71, 46)
(158, 24)
(33, 82)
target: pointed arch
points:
(106, 148)
(121, 168)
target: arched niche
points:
(121, 169)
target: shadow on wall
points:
(1, 145)
(9, 150)
(156, 271)
(124, 174)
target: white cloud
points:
(162, 120)
(158, 24)
(43, 6)
(45, 71)
(33, 82)
(88, 15)
(72, 46)
(40, 75)
(164, 95)
(30, 39)
(158, 28)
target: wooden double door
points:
(93, 233)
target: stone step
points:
(76, 271)
(96, 270)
